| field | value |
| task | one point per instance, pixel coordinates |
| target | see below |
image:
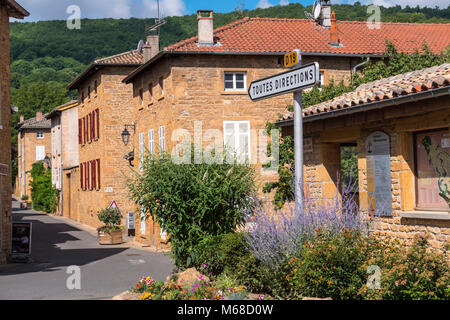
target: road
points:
(57, 244)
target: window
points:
(95, 86)
(40, 135)
(432, 150)
(235, 81)
(40, 153)
(162, 139)
(237, 139)
(82, 96)
(141, 151)
(89, 92)
(151, 146)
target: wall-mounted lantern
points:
(126, 133)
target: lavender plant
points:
(276, 234)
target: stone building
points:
(401, 128)
(34, 143)
(64, 151)
(8, 8)
(204, 79)
(104, 107)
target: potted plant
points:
(111, 232)
(24, 202)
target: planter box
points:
(29, 205)
(112, 237)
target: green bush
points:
(220, 254)
(331, 266)
(193, 201)
(414, 273)
(111, 219)
(43, 194)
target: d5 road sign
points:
(293, 80)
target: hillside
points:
(46, 55)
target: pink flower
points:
(261, 297)
(204, 266)
(396, 283)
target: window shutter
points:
(94, 175)
(98, 174)
(88, 174)
(97, 112)
(84, 130)
(92, 125)
(81, 176)
(80, 133)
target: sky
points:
(58, 9)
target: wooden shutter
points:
(98, 174)
(97, 113)
(84, 130)
(80, 133)
(89, 175)
(94, 175)
(82, 176)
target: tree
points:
(192, 201)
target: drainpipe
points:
(360, 65)
(61, 180)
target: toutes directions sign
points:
(304, 77)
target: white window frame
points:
(236, 136)
(40, 135)
(151, 141)
(143, 221)
(141, 150)
(234, 73)
(40, 153)
(162, 139)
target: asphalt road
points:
(57, 244)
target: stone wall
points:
(114, 100)
(5, 139)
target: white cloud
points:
(56, 9)
(284, 3)
(263, 4)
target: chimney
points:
(325, 15)
(151, 47)
(22, 119)
(205, 27)
(334, 34)
(39, 116)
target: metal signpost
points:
(295, 80)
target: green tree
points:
(193, 201)
(43, 194)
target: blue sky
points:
(57, 9)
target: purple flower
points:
(204, 266)
(196, 285)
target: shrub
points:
(332, 265)
(111, 219)
(414, 273)
(221, 254)
(43, 194)
(275, 236)
(192, 201)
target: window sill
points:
(428, 215)
(234, 93)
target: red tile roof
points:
(385, 89)
(284, 35)
(129, 57)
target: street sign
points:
(114, 205)
(290, 81)
(21, 238)
(290, 59)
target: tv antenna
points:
(159, 22)
(316, 14)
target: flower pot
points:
(110, 237)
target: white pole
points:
(298, 145)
